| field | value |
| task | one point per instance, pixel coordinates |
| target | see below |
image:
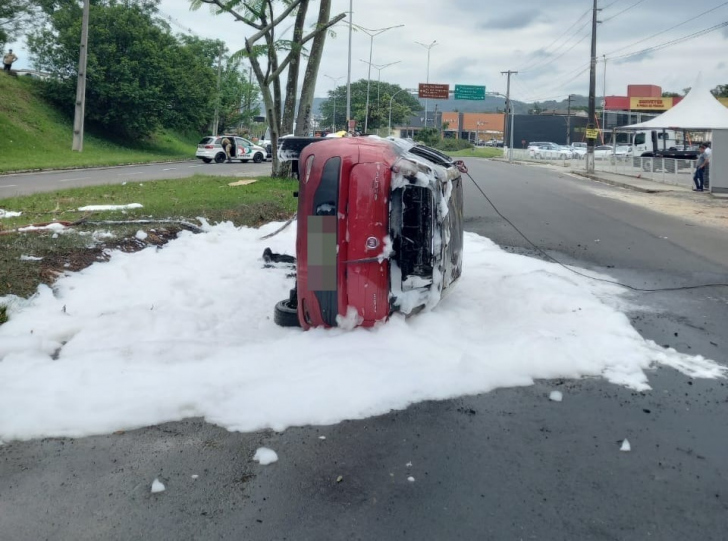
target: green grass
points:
(200, 196)
(37, 136)
(479, 152)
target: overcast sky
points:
(548, 42)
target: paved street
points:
(509, 464)
(27, 183)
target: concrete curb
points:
(623, 184)
(83, 167)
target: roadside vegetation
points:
(34, 256)
(38, 136)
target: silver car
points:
(210, 149)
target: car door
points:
(244, 151)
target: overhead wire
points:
(667, 29)
(535, 61)
(623, 11)
(672, 42)
(570, 269)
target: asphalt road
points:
(495, 466)
(27, 183)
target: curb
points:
(622, 184)
(81, 167)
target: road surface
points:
(493, 466)
(27, 183)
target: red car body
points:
(379, 229)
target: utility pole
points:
(80, 111)
(508, 139)
(592, 94)
(568, 121)
(216, 122)
(604, 99)
(348, 76)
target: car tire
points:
(258, 157)
(207, 160)
(286, 315)
(220, 157)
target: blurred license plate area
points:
(322, 253)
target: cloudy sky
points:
(547, 42)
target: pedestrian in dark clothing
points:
(700, 169)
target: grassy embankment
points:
(37, 136)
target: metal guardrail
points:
(663, 170)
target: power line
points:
(674, 41)
(564, 34)
(667, 29)
(624, 10)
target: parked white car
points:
(603, 152)
(551, 151)
(578, 150)
(210, 149)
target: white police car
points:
(210, 149)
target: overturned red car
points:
(379, 230)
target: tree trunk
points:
(303, 120)
(289, 108)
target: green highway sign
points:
(469, 92)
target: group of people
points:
(8, 60)
(702, 167)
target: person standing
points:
(706, 174)
(8, 60)
(228, 147)
(699, 170)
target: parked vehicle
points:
(551, 151)
(578, 150)
(210, 149)
(603, 152)
(659, 144)
(379, 230)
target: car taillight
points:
(307, 172)
(209, 146)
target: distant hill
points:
(492, 104)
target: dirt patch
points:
(698, 208)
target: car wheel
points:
(220, 157)
(207, 160)
(258, 157)
(286, 315)
(647, 165)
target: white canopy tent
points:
(698, 111)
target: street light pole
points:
(390, 109)
(379, 78)
(336, 83)
(428, 47)
(372, 34)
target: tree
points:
(239, 95)
(262, 48)
(16, 17)
(139, 76)
(720, 91)
(404, 105)
(670, 95)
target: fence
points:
(663, 170)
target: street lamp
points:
(379, 79)
(371, 34)
(428, 47)
(336, 85)
(390, 109)
(478, 124)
